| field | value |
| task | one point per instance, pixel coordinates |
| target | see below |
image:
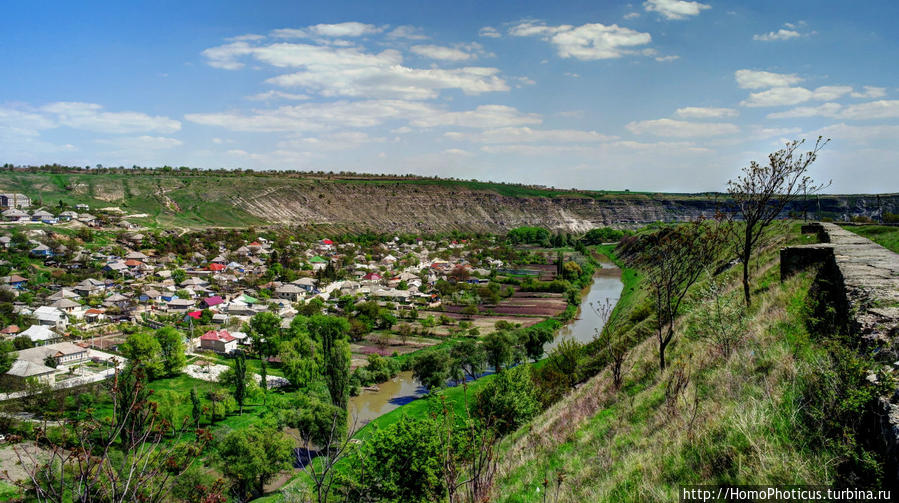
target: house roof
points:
(25, 368)
(317, 260)
(217, 335)
(39, 333)
(216, 267)
(213, 301)
(11, 329)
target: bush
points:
(508, 401)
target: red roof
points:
(216, 267)
(372, 276)
(254, 243)
(327, 242)
(217, 335)
(12, 329)
(213, 301)
(133, 263)
(195, 314)
(94, 311)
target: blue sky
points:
(664, 95)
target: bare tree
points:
(762, 192)
(674, 259)
(614, 341)
(121, 459)
(321, 467)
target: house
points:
(41, 250)
(209, 302)
(94, 315)
(67, 216)
(318, 263)
(9, 331)
(290, 292)
(50, 316)
(40, 334)
(372, 276)
(89, 286)
(219, 341)
(15, 201)
(150, 295)
(22, 370)
(15, 281)
(82, 207)
(41, 216)
(14, 215)
(64, 353)
(307, 284)
(180, 305)
(66, 305)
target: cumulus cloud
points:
(590, 41)
(705, 113)
(82, 116)
(129, 144)
(870, 92)
(781, 34)
(881, 109)
(753, 79)
(489, 32)
(675, 9)
(681, 129)
(484, 116)
(339, 30)
(786, 96)
(408, 32)
(351, 71)
(460, 52)
(277, 95)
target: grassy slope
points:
(629, 446)
(884, 235)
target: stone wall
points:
(864, 277)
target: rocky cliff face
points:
(427, 208)
(388, 205)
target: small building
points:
(210, 302)
(22, 370)
(219, 341)
(14, 200)
(40, 334)
(290, 292)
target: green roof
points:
(249, 300)
(317, 260)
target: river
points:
(402, 389)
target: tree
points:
(403, 461)
(266, 331)
(298, 361)
(196, 411)
(613, 340)
(143, 350)
(331, 334)
(179, 276)
(534, 338)
(171, 348)
(240, 380)
(500, 349)
(263, 380)
(674, 259)
(432, 369)
(251, 457)
(509, 400)
(468, 359)
(762, 193)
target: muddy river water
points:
(402, 389)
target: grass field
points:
(884, 235)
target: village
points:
(73, 283)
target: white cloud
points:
(458, 152)
(408, 32)
(881, 109)
(859, 134)
(330, 142)
(489, 32)
(586, 42)
(277, 95)
(786, 96)
(753, 79)
(442, 53)
(823, 110)
(781, 34)
(871, 92)
(681, 129)
(529, 135)
(631, 15)
(771, 132)
(339, 30)
(484, 116)
(350, 71)
(91, 117)
(705, 113)
(666, 59)
(675, 9)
